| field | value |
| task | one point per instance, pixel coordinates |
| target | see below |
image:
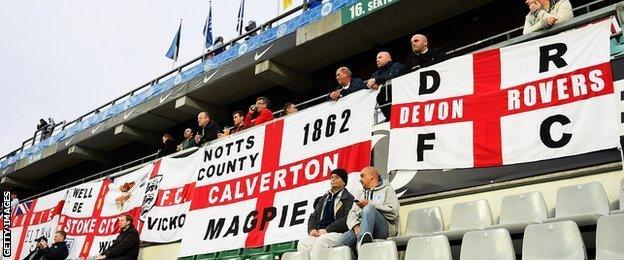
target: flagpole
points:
(175, 57)
(204, 48)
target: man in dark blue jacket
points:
(387, 69)
(328, 221)
(347, 84)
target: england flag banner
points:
(257, 187)
(538, 100)
(168, 197)
(91, 210)
(34, 219)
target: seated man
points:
(375, 212)
(546, 13)
(258, 113)
(422, 56)
(329, 219)
(188, 140)
(387, 69)
(126, 245)
(347, 83)
(42, 244)
(58, 250)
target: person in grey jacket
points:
(329, 219)
(375, 212)
(546, 13)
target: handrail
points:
(267, 24)
(174, 71)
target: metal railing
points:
(505, 37)
(32, 141)
(138, 163)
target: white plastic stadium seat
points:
(621, 210)
(520, 210)
(336, 253)
(421, 222)
(468, 216)
(492, 244)
(583, 203)
(298, 255)
(382, 250)
(428, 248)
(609, 242)
(557, 240)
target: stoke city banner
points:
(533, 101)
(34, 219)
(257, 187)
(90, 213)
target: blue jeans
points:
(372, 222)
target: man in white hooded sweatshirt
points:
(375, 212)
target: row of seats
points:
(583, 203)
(554, 241)
(257, 253)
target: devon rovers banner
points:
(34, 219)
(91, 210)
(168, 198)
(257, 187)
(539, 100)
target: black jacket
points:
(58, 251)
(389, 71)
(417, 61)
(209, 132)
(355, 85)
(125, 246)
(37, 253)
(168, 148)
(340, 224)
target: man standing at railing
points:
(347, 83)
(49, 129)
(42, 127)
(422, 56)
(208, 129)
(387, 69)
(546, 13)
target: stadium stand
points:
(520, 202)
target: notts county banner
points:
(34, 219)
(533, 101)
(257, 187)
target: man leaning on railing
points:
(546, 13)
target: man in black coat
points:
(387, 69)
(42, 243)
(58, 250)
(347, 84)
(329, 219)
(126, 245)
(208, 129)
(422, 56)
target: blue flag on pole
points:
(174, 49)
(208, 28)
(241, 12)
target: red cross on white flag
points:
(257, 187)
(543, 99)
